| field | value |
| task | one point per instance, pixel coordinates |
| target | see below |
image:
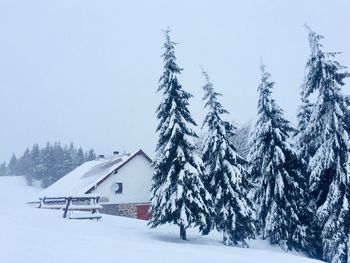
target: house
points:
(123, 182)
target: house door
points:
(142, 212)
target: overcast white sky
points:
(86, 71)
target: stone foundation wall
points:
(127, 210)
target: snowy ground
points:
(30, 235)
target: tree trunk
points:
(226, 238)
(182, 232)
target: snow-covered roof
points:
(88, 175)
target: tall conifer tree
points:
(275, 166)
(305, 145)
(3, 169)
(12, 167)
(227, 176)
(178, 194)
(328, 151)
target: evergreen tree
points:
(178, 194)
(275, 166)
(3, 169)
(48, 168)
(24, 166)
(67, 157)
(35, 164)
(328, 151)
(90, 155)
(12, 166)
(305, 144)
(227, 175)
(59, 162)
(79, 158)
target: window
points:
(117, 188)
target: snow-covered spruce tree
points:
(329, 151)
(178, 195)
(305, 148)
(35, 164)
(227, 181)
(90, 155)
(3, 169)
(305, 144)
(12, 167)
(275, 170)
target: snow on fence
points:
(74, 207)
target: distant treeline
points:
(47, 164)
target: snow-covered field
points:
(30, 235)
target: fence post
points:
(69, 199)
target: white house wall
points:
(136, 176)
